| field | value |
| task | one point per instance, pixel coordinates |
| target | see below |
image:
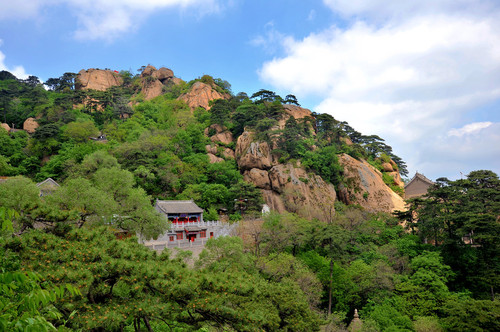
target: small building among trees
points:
(47, 186)
(418, 186)
(187, 227)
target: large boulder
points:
(366, 187)
(200, 95)
(97, 79)
(225, 137)
(153, 80)
(304, 193)
(164, 74)
(5, 126)
(250, 154)
(30, 125)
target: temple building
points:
(417, 186)
(186, 220)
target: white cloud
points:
(107, 19)
(470, 128)
(408, 80)
(401, 9)
(17, 71)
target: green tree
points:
(81, 131)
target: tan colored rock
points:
(225, 137)
(163, 74)
(293, 111)
(387, 167)
(346, 140)
(5, 126)
(397, 179)
(176, 80)
(211, 149)
(251, 154)
(97, 79)
(259, 177)
(228, 153)
(214, 127)
(274, 201)
(306, 194)
(151, 88)
(200, 95)
(367, 187)
(148, 71)
(30, 125)
(214, 159)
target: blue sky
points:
(424, 75)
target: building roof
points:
(178, 207)
(49, 182)
(419, 176)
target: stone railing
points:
(197, 223)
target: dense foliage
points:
(64, 267)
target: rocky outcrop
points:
(30, 125)
(5, 126)
(200, 95)
(366, 187)
(304, 193)
(151, 89)
(220, 138)
(228, 153)
(294, 111)
(214, 159)
(97, 79)
(259, 177)
(250, 154)
(153, 80)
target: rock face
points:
(151, 89)
(306, 194)
(259, 177)
(97, 79)
(200, 95)
(293, 111)
(153, 80)
(30, 125)
(250, 154)
(284, 187)
(366, 187)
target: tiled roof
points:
(421, 177)
(178, 206)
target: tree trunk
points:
(146, 321)
(330, 288)
(492, 293)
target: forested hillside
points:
(115, 141)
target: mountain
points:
(300, 161)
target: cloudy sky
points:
(424, 75)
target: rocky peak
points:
(153, 80)
(97, 79)
(201, 94)
(294, 111)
